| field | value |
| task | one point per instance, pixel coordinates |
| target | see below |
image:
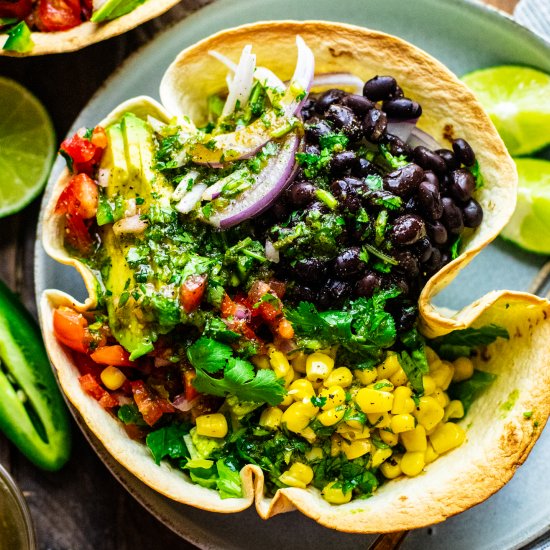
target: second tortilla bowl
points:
(496, 443)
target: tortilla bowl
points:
(89, 33)
(498, 438)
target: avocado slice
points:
(112, 9)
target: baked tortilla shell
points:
(89, 33)
(498, 439)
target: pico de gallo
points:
(18, 18)
(257, 302)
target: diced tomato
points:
(190, 391)
(192, 291)
(151, 406)
(77, 234)
(91, 386)
(80, 197)
(114, 355)
(85, 153)
(58, 15)
(87, 7)
(99, 137)
(270, 311)
(86, 366)
(285, 329)
(278, 287)
(18, 8)
(71, 329)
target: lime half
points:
(27, 146)
(530, 224)
(518, 101)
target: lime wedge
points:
(27, 146)
(529, 227)
(518, 101)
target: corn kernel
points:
(291, 481)
(332, 416)
(402, 423)
(351, 434)
(335, 495)
(271, 418)
(379, 420)
(402, 401)
(389, 366)
(299, 362)
(464, 369)
(212, 425)
(431, 355)
(289, 377)
(399, 377)
(315, 453)
(334, 395)
(442, 373)
(301, 389)
(447, 436)
(415, 440)
(335, 445)
(366, 376)
(319, 366)
(391, 468)
(455, 409)
(383, 384)
(355, 424)
(429, 384)
(441, 397)
(287, 401)
(308, 434)
(389, 438)
(379, 456)
(339, 377)
(430, 455)
(261, 362)
(298, 416)
(279, 363)
(300, 471)
(355, 449)
(112, 378)
(374, 401)
(412, 463)
(428, 412)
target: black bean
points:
(423, 248)
(334, 293)
(396, 146)
(472, 213)
(452, 216)
(344, 120)
(408, 229)
(367, 286)
(430, 177)
(301, 193)
(404, 181)
(463, 184)
(308, 108)
(411, 206)
(379, 88)
(312, 149)
(434, 263)
(316, 128)
(437, 232)
(408, 264)
(317, 206)
(445, 258)
(304, 293)
(359, 104)
(310, 270)
(342, 162)
(328, 98)
(363, 168)
(405, 318)
(401, 284)
(398, 92)
(429, 160)
(402, 108)
(449, 158)
(348, 265)
(280, 210)
(374, 125)
(430, 200)
(463, 152)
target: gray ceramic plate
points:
(465, 36)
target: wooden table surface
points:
(82, 507)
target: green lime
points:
(518, 101)
(27, 146)
(530, 224)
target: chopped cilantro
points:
(168, 442)
(478, 176)
(318, 401)
(468, 390)
(392, 160)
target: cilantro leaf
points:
(209, 355)
(168, 442)
(415, 365)
(229, 481)
(478, 176)
(216, 329)
(468, 390)
(241, 380)
(461, 343)
(392, 160)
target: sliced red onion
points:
(241, 84)
(214, 191)
(246, 142)
(242, 313)
(271, 253)
(182, 404)
(402, 128)
(419, 137)
(268, 185)
(347, 81)
(191, 198)
(132, 224)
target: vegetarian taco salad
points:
(255, 250)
